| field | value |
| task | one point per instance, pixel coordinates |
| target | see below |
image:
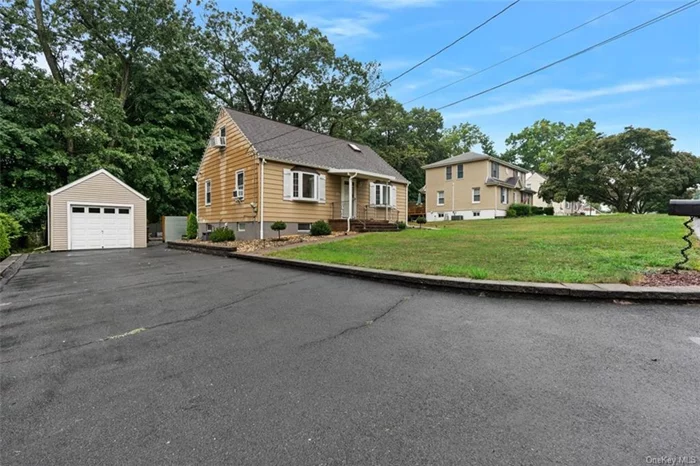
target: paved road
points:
(242, 363)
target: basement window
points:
(304, 227)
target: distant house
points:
(535, 180)
(256, 171)
(473, 186)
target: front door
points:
(347, 208)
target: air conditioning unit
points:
(237, 194)
(217, 141)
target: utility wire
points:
(521, 53)
(580, 52)
(484, 23)
(446, 47)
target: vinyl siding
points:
(100, 189)
(220, 167)
(277, 208)
(475, 175)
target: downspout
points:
(262, 198)
(386, 206)
(350, 203)
(453, 199)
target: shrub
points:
(548, 210)
(192, 226)
(522, 210)
(511, 212)
(278, 227)
(420, 221)
(401, 225)
(13, 230)
(4, 243)
(320, 228)
(221, 234)
(537, 210)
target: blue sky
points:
(648, 79)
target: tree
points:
(278, 227)
(192, 226)
(275, 66)
(633, 171)
(4, 243)
(463, 137)
(538, 146)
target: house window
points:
(304, 227)
(460, 171)
(241, 227)
(207, 192)
(441, 215)
(304, 186)
(476, 213)
(240, 185)
(448, 172)
(382, 194)
(209, 227)
(476, 195)
(222, 132)
(504, 195)
(441, 198)
(495, 170)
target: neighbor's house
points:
(256, 171)
(473, 186)
(535, 180)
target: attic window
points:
(354, 147)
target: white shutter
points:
(287, 184)
(372, 194)
(322, 189)
(393, 197)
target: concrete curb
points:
(603, 291)
(226, 251)
(10, 266)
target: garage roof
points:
(93, 174)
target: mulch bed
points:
(259, 244)
(682, 278)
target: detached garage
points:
(98, 211)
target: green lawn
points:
(612, 248)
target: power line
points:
(484, 23)
(580, 52)
(521, 53)
(446, 47)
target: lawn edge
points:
(598, 291)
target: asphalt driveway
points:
(167, 357)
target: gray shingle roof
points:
(469, 157)
(300, 146)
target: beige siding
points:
(100, 189)
(475, 175)
(277, 208)
(220, 167)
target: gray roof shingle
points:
(300, 146)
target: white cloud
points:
(345, 27)
(446, 73)
(559, 96)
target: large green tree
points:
(275, 66)
(633, 171)
(463, 137)
(541, 144)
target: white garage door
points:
(100, 227)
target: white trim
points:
(337, 171)
(239, 197)
(261, 207)
(196, 199)
(101, 171)
(207, 182)
(69, 246)
(479, 201)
